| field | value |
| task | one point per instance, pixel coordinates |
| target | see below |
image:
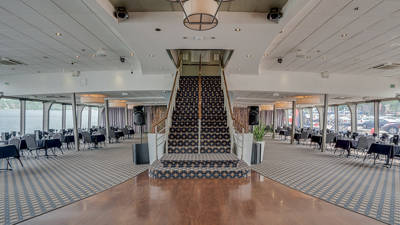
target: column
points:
(336, 108)
(75, 122)
(376, 117)
(63, 116)
(301, 117)
(107, 121)
(126, 115)
(293, 122)
(324, 123)
(353, 112)
(46, 113)
(89, 117)
(273, 122)
(22, 117)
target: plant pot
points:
(257, 153)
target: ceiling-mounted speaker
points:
(138, 113)
(121, 13)
(274, 15)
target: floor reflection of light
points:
(261, 178)
(281, 203)
(273, 195)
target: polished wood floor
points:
(256, 200)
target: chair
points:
(125, 131)
(364, 142)
(330, 139)
(112, 136)
(395, 139)
(31, 144)
(17, 143)
(87, 139)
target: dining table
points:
(389, 150)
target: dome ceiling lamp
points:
(200, 15)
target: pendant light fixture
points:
(200, 15)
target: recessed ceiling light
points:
(124, 94)
(132, 54)
(77, 56)
(344, 35)
(157, 29)
(237, 29)
(58, 34)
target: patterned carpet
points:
(368, 189)
(46, 184)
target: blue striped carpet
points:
(368, 189)
(46, 184)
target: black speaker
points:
(138, 118)
(253, 115)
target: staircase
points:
(199, 149)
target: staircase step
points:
(158, 171)
(199, 160)
(195, 150)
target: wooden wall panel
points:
(241, 114)
(157, 113)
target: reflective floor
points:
(256, 200)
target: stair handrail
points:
(234, 132)
(167, 119)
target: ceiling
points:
(351, 37)
(230, 6)
(28, 33)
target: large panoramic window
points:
(94, 117)
(85, 118)
(33, 116)
(306, 117)
(315, 118)
(389, 117)
(344, 118)
(69, 123)
(289, 117)
(331, 118)
(9, 115)
(55, 117)
(365, 118)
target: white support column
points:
(79, 109)
(107, 121)
(336, 108)
(301, 117)
(75, 121)
(320, 116)
(63, 116)
(273, 122)
(293, 122)
(89, 117)
(376, 117)
(324, 123)
(126, 115)
(353, 112)
(46, 115)
(22, 117)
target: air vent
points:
(387, 66)
(9, 62)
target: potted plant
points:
(258, 147)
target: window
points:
(69, 123)
(331, 119)
(344, 118)
(306, 117)
(365, 118)
(85, 118)
(289, 117)
(389, 117)
(297, 118)
(55, 117)
(33, 116)
(315, 118)
(9, 115)
(95, 117)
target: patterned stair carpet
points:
(45, 184)
(371, 190)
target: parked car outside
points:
(392, 128)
